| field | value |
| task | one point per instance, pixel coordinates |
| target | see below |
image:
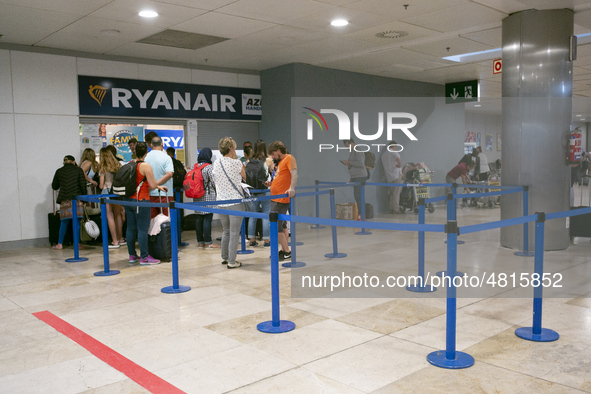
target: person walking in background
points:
(107, 169)
(257, 174)
(284, 182)
(357, 170)
(483, 166)
(89, 165)
(460, 170)
(393, 169)
(163, 170)
(228, 173)
(70, 182)
(203, 219)
(138, 218)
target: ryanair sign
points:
(136, 98)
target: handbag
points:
(93, 208)
(247, 206)
(66, 209)
(88, 228)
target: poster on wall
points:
(469, 136)
(172, 138)
(489, 142)
(119, 136)
(499, 142)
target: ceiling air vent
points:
(181, 39)
(392, 34)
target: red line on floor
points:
(140, 375)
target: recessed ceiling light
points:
(339, 22)
(148, 14)
(477, 105)
(579, 115)
(582, 119)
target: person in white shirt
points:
(163, 169)
(393, 169)
(484, 170)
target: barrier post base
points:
(76, 260)
(547, 335)
(172, 290)
(459, 242)
(107, 273)
(316, 226)
(363, 232)
(294, 264)
(462, 360)
(525, 253)
(335, 255)
(421, 289)
(268, 327)
(245, 251)
(444, 273)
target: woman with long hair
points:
(228, 173)
(89, 165)
(259, 159)
(107, 169)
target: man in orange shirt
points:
(284, 182)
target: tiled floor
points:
(206, 341)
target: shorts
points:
(281, 208)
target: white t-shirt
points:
(483, 163)
(223, 184)
(161, 163)
(393, 172)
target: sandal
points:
(213, 246)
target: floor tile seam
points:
(527, 374)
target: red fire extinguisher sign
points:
(575, 147)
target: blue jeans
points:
(357, 193)
(203, 228)
(64, 229)
(259, 206)
(138, 223)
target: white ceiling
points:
(267, 33)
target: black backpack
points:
(256, 174)
(124, 180)
(178, 177)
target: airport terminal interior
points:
(364, 305)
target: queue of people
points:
(222, 180)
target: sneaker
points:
(267, 244)
(113, 246)
(122, 242)
(237, 264)
(284, 255)
(134, 259)
(253, 243)
(149, 261)
(224, 262)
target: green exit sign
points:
(461, 92)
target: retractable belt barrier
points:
(448, 358)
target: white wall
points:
(39, 125)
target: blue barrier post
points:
(450, 358)
(294, 263)
(363, 232)
(292, 229)
(421, 287)
(177, 198)
(276, 325)
(76, 231)
(451, 216)
(243, 249)
(333, 215)
(316, 189)
(525, 252)
(175, 288)
(536, 333)
(105, 235)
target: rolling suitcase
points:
(160, 245)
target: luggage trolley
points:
(415, 176)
